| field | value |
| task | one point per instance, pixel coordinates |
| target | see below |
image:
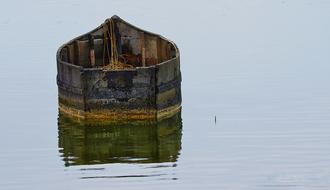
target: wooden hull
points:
(149, 90)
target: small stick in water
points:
(215, 119)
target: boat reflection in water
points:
(84, 144)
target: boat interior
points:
(117, 44)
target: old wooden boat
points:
(118, 72)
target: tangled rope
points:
(114, 61)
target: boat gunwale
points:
(58, 57)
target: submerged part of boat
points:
(118, 72)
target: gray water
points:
(261, 67)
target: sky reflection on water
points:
(262, 67)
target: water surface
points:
(261, 67)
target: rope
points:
(113, 62)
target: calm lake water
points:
(261, 67)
